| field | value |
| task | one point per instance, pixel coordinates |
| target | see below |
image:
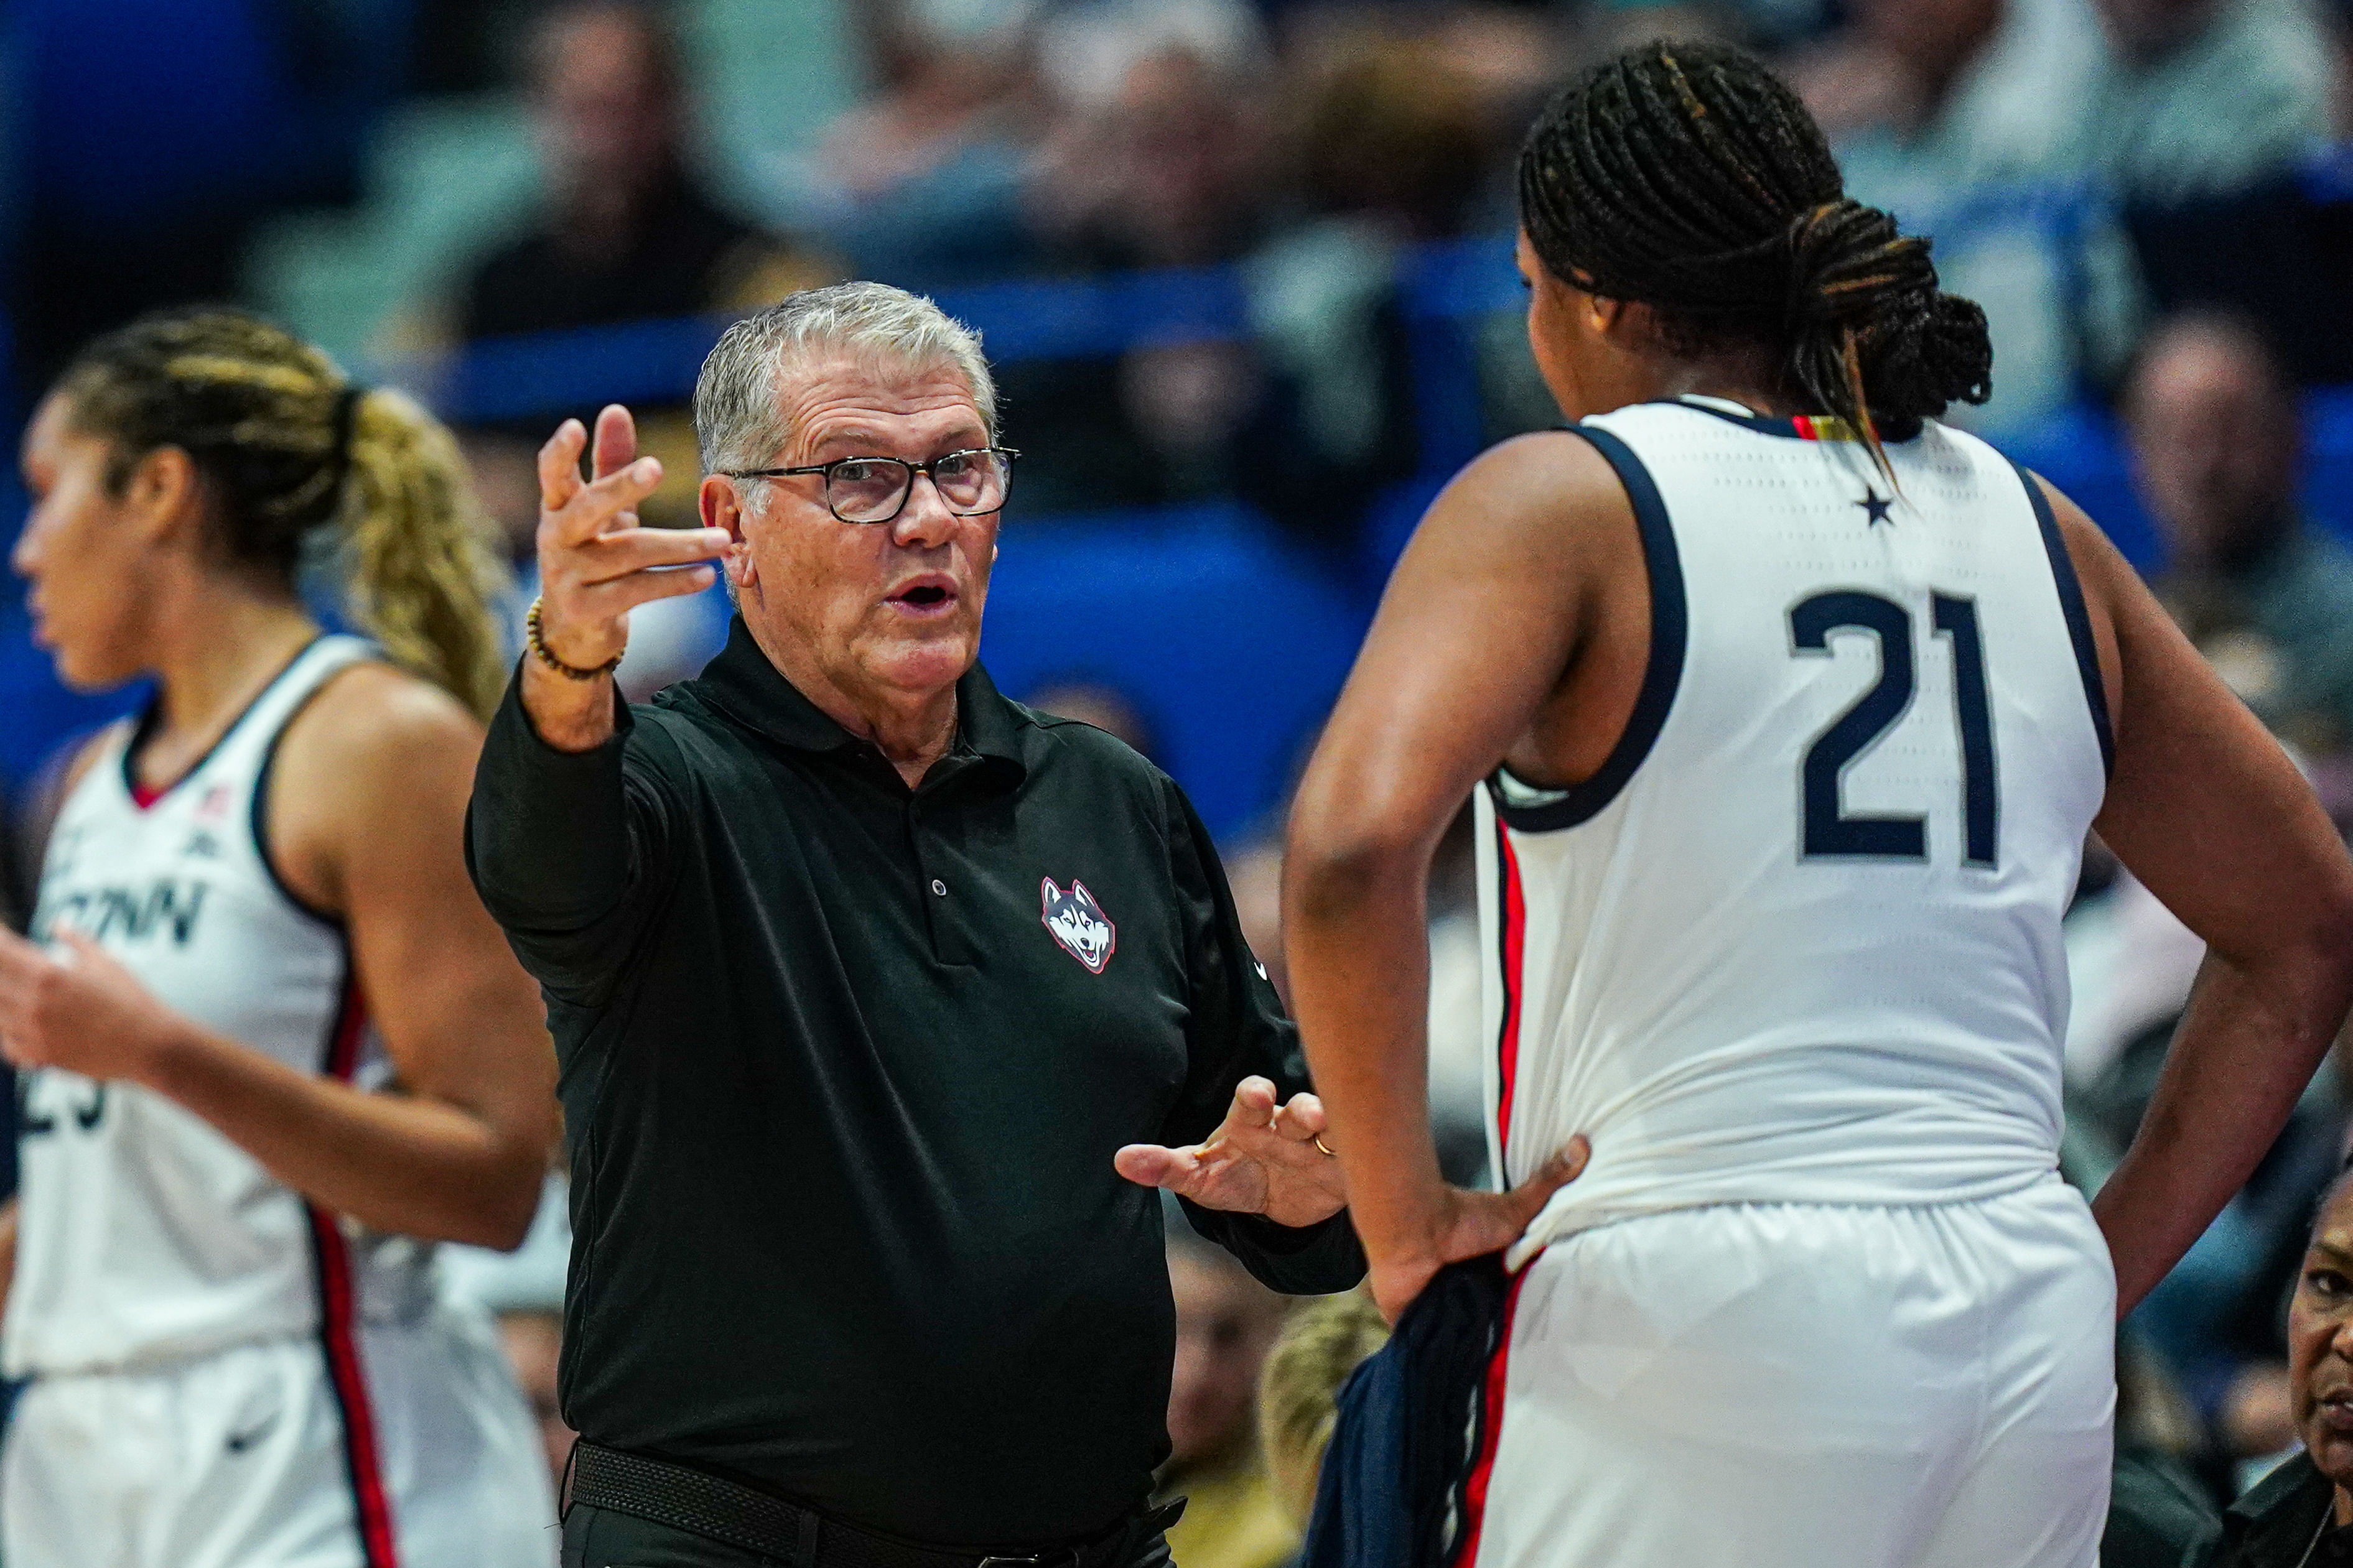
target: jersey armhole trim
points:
(2078, 619)
(1670, 629)
(257, 816)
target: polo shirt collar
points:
(753, 692)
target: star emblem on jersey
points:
(1078, 922)
(1876, 508)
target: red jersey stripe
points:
(1508, 1044)
(339, 1318)
(1491, 1428)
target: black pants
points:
(599, 1537)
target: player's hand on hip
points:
(73, 1006)
(1471, 1225)
(597, 562)
(1262, 1159)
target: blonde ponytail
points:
(291, 449)
(423, 581)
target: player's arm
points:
(366, 797)
(2207, 811)
(1481, 622)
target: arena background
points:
(1244, 271)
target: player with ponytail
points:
(1785, 708)
(270, 1046)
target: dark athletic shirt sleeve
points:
(564, 847)
(844, 1066)
(1238, 1027)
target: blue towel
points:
(1411, 1422)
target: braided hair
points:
(285, 446)
(1686, 176)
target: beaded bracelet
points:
(570, 671)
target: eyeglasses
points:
(875, 490)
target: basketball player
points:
(271, 1045)
(1788, 708)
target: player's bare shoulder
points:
(374, 719)
(377, 752)
(1555, 477)
(1546, 503)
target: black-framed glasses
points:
(875, 490)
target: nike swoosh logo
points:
(238, 1442)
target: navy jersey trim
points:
(1670, 632)
(2078, 619)
(153, 711)
(257, 814)
(1799, 427)
(1763, 424)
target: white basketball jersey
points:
(1798, 940)
(144, 1235)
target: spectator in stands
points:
(1155, 161)
(1929, 102)
(1298, 1401)
(2266, 596)
(2159, 1516)
(2198, 97)
(2303, 1512)
(628, 233)
(1226, 1323)
(1391, 140)
(923, 183)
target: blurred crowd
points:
(2152, 198)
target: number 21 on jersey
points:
(1830, 829)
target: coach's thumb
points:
(1566, 1166)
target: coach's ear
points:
(720, 502)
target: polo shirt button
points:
(939, 887)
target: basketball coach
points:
(883, 1002)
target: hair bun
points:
(1686, 176)
(1848, 263)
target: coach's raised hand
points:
(597, 563)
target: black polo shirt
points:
(843, 1067)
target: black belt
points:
(723, 1511)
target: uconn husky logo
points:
(1079, 924)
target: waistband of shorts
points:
(1557, 1222)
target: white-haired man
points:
(882, 1002)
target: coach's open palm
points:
(597, 563)
(1262, 1159)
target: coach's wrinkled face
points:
(880, 608)
(2320, 1344)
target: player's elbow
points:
(2330, 935)
(1334, 864)
(501, 1211)
(495, 1206)
(2304, 953)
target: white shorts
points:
(263, 1457)
(1789, 1386)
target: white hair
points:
(738, 419)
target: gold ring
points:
(1318, 1141)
